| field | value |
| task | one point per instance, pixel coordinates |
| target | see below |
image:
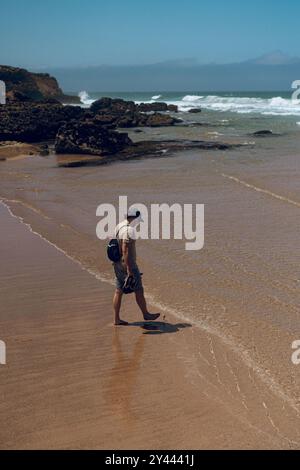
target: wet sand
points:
(72, 381)
(9, 150)
(226, 381)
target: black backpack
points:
(113, 251)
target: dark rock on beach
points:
(119, 106)
(29, 121)
(22, 85)
(114, 106)
(35, 122)
(195, 110)
(89, 137)
(149, 107)
(141, 149)
(114, 113)
(173, 108)
(263, 133)
(160, 120)
(156, 107)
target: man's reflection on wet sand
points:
(123, 375)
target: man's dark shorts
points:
(121, 274)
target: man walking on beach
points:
(128, 276)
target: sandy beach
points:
(74, 382)
(216, 372)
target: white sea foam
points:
(156, 97)
(192, 98)
(85, 98)
(214, 133)
(276, 106)
(261, 190)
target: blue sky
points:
(49, 33)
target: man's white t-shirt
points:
(124, 232)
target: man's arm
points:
(127, 249)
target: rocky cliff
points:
(22, 85)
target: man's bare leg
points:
(141, 301)
(117, 307)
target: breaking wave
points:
(276, 106)
(85, 98)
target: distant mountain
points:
(274, 71)
(274, 58)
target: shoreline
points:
(162, 361)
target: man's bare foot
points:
(121, 323)
(151, 316)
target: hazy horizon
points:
(242, 77)
(276, 57)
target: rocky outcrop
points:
(263, 133)
(160, 120)
(22, 85)
(114, 113)
(35, 122)
(173, 108)
(89, 137)
(156, 107)
(120, 106)
(110, 105)
(34, 114)
(195, 110)
(140, 150)
(76, 130)
(85, 132)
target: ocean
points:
(233, 115)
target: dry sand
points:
(9, 150)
